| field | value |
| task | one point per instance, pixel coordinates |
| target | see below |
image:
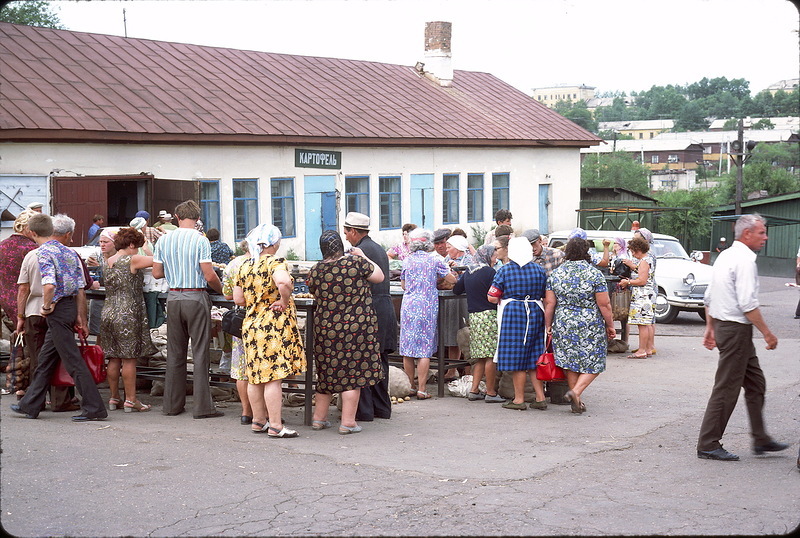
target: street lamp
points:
(740, 154)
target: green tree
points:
(694, 225)
(761, 124)
(616, 169)
(758, 176)
(691, 118)
(31, 13)
(578, 113)
(616, 112)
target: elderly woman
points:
(642, 311)
(401, 251)
(106, 243)
(577, 314)
(237, 369)
(272, 344)
(475, 282)
(124, 330)
(420, 308)
(346, 349)
(519, 287)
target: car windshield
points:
(665, 248)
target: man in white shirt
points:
(732, 309)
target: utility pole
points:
(739, 160)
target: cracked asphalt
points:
(444, 466)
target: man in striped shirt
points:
(183, 257)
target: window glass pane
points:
(357, 194)
(245, 206)
(209, 204)
(474, 197)
(450, 198)
(500, 191)
(283, 216)
(389, 202)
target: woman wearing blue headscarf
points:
(272, 344)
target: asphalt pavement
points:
(444, 466)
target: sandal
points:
(320, 424)
(261, 428)
(635, 356)
(422, 395)
(346, 430)
(136, 406)
(114, 404)
(275, 433)
(576, 406)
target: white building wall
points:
(527, 168)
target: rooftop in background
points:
(788, 122)
(785, 85)
(62, 85)
(716, 137)
(636, 125)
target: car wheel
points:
(665, 312)
(702, 314)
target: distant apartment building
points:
(551, 95)
(789, 122)
(788, 85)
(639, 130)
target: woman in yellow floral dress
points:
(272, 344)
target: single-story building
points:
(112, 125)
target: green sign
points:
(314, 158)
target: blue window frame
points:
(282, 191)
(500, 191)
(475, 197)
(245, 206)
(450, 198)
(209, 203)
(389, 188)
(356, 197)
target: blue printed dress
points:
(418, 314)
(521, 318)
(579, 331)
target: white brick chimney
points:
(438, 60)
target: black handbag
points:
(232, 321)
(618, 268)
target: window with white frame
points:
(245, 206)
(475, 197)
(389, 202)
(209, 203)
(500, 191)
(283, 217)
(450, 198)
(672, 158)
(356, 194)
(653, 159)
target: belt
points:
(187, 289)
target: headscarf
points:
(577, 232)
(330, 244)
(138, 223)
(622, 244)
(647, 234)
(482, 258)
(108, 234)
(519, 250)
(22, 220)
(263, 235)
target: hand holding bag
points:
(546, 369)
(94, 358)
(232, 321)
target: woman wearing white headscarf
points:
(519, 287)
(272, 344)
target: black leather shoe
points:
(215, 414)
(84, 418)
(245, 420)
(17, 409)
(772, 446)
(719, 454)
(176, 413)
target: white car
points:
(681, 281)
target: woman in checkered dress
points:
(519, 287)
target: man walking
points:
(63, 306)
(374, 400)
(183, 257)
(732, 309)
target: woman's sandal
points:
(136, 406)
(635, 356)
(283, 433)
(346, 430)
(576, 406)
(422, 395)
(320, 424)
(261, 428)
(114, 404)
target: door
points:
(167, 193)
(320, 211)
(544, 209)
(81, 198)
(422, 200)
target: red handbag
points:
(546, 369)
(94, 358)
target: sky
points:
(612, 45)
